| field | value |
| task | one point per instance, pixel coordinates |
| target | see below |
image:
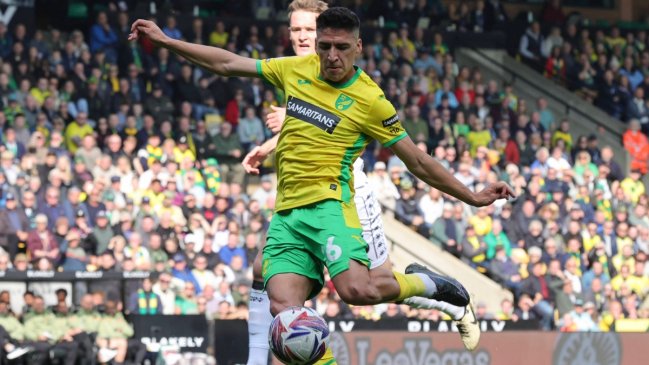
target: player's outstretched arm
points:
(434, 174)
(257, 155)
(217, 60)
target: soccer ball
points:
(298, 336)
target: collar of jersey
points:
(346, 83)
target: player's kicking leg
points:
(369, 213)
(260, 319)
(370, 216)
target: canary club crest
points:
(343, 102)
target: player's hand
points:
(491, 193)
(147, 28)
(253, 160)
(275, 119)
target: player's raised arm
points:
(434, 174)
(215, 59)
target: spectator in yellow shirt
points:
(506, 310)
(481, 222)
(623, 239)
(641, 278)
(40, 92)
(563, 133)
(75, 132)
(182, 151)
(404, 40)
(174, 211)
(478, 137)
(591, 238)
(219, 37)
(623, 258)
(625, 277)
(609, 317)
(615, 39)
(632, 186)
(189, 175)
(154, 195)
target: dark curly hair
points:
(338, 18)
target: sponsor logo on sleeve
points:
(390, 121)
(312, 114)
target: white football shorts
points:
(369, 213)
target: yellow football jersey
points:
(327, 126)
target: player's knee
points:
(277, 306)
(385, 266)
(279, 303)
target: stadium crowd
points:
(607, 66)
(121, 157)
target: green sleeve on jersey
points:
(275, 70)
(395, 139)
(271, 70)
(259, 72)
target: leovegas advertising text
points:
(506, 348)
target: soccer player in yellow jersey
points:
(302, 25)
(333, 109)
